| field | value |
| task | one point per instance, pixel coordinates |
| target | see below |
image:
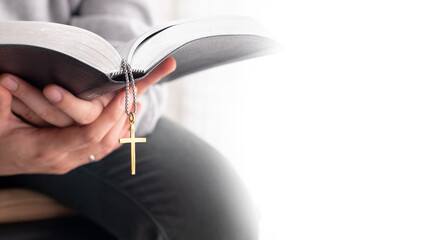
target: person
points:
(183, 188)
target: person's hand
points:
(25, 148)
(28, 149)
(55, 106)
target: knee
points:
(215, 204)
(203, 197)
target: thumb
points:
(5, 103)
(162, 70)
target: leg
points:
(183, 189)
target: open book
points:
(88, 66)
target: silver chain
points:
(128, 74)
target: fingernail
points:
(53, 94)
(9, 84)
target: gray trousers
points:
(183, 189)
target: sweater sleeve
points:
(119, 21)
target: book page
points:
(78, 43)
(202, 43)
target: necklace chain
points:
(129, 78)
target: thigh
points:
(183, 189)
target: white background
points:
(330, 134)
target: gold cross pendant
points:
(132, 140)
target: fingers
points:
(5, 104)
(19, 108)
(107, 145)
(53, 150)
(162, 70)
(58, 107)
(34, 99)
(85, 112)
(58, 151)
(76, 137)
(81, 111)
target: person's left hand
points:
(25, 149)
(55, 106)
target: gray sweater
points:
(118, 21)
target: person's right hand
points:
(28, 149)
(55, 106)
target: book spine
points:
(121, 72)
